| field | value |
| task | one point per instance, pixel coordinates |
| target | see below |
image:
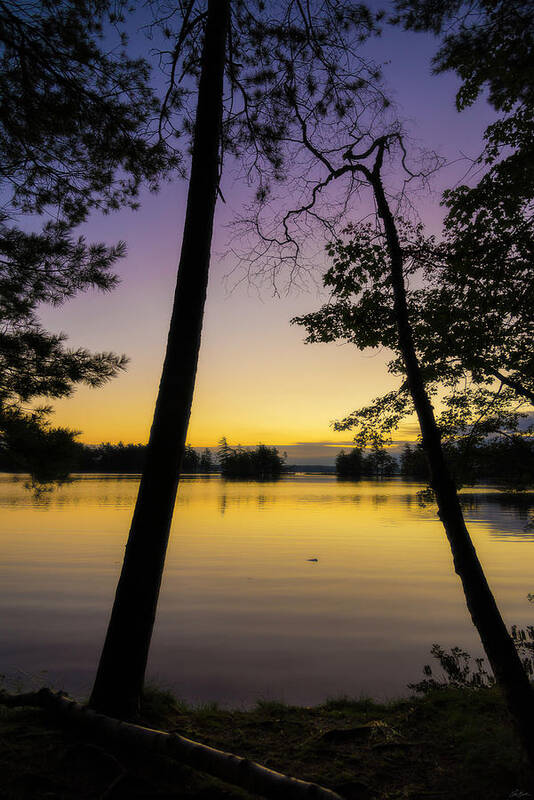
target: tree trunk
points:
(485, 614)
(120, 675)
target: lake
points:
(295, 590)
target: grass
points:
(452, 743)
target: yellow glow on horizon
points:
(256, 382)
(103, 417)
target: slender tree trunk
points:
(501, 652)
(120, 675)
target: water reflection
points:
(507, 515)
(244, 612)
(86, 490)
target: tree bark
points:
(228, 767)
(500, 649)
(120, 675)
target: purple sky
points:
(257, 381)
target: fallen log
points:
(228, 767)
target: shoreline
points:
(450, 743)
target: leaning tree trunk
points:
(501, 652)
(120, 675)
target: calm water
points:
(244, 613)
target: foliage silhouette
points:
(120, 675)
(261, 463)
(508, 462)
(206, 462)
(357, 463)
(458, 672)
(246, 60)
(489, 279)
(368, 278)
(457, 669)
(75, 136)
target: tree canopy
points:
(471, 295)
(387, 263)
(461, 371)
(357, 463)
(280, 57)
(261, 462)
(76, 125)
(487, 277)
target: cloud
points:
(348, 443)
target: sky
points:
(257, 381)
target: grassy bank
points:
(449, 744)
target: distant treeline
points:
(509, 461)
(260, 462)
(506, 461)
(359, 463)
(108, 457)
(131, 457)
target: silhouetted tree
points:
(462, 458)
(224, 451)
(30, 444)
(260, 463)
(488, 277)
(107, 457)
(74, 125)
(473, 408)
(191, 460)
(508, 461)
(373, 266)
(413, 463)
(263, 51)
(378, 463)
(206, 463)
(121, 670)
(349, 465)
(482, 269)
(368, 276)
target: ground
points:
(450, 744)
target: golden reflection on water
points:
(245, 612)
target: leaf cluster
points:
(457, 672)
(487, 42)
(471, 320)
(490, 45)
(48, 267)
(76, 133)
(360, 309)
(75, 121)
(279, 55)
(30, 444)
